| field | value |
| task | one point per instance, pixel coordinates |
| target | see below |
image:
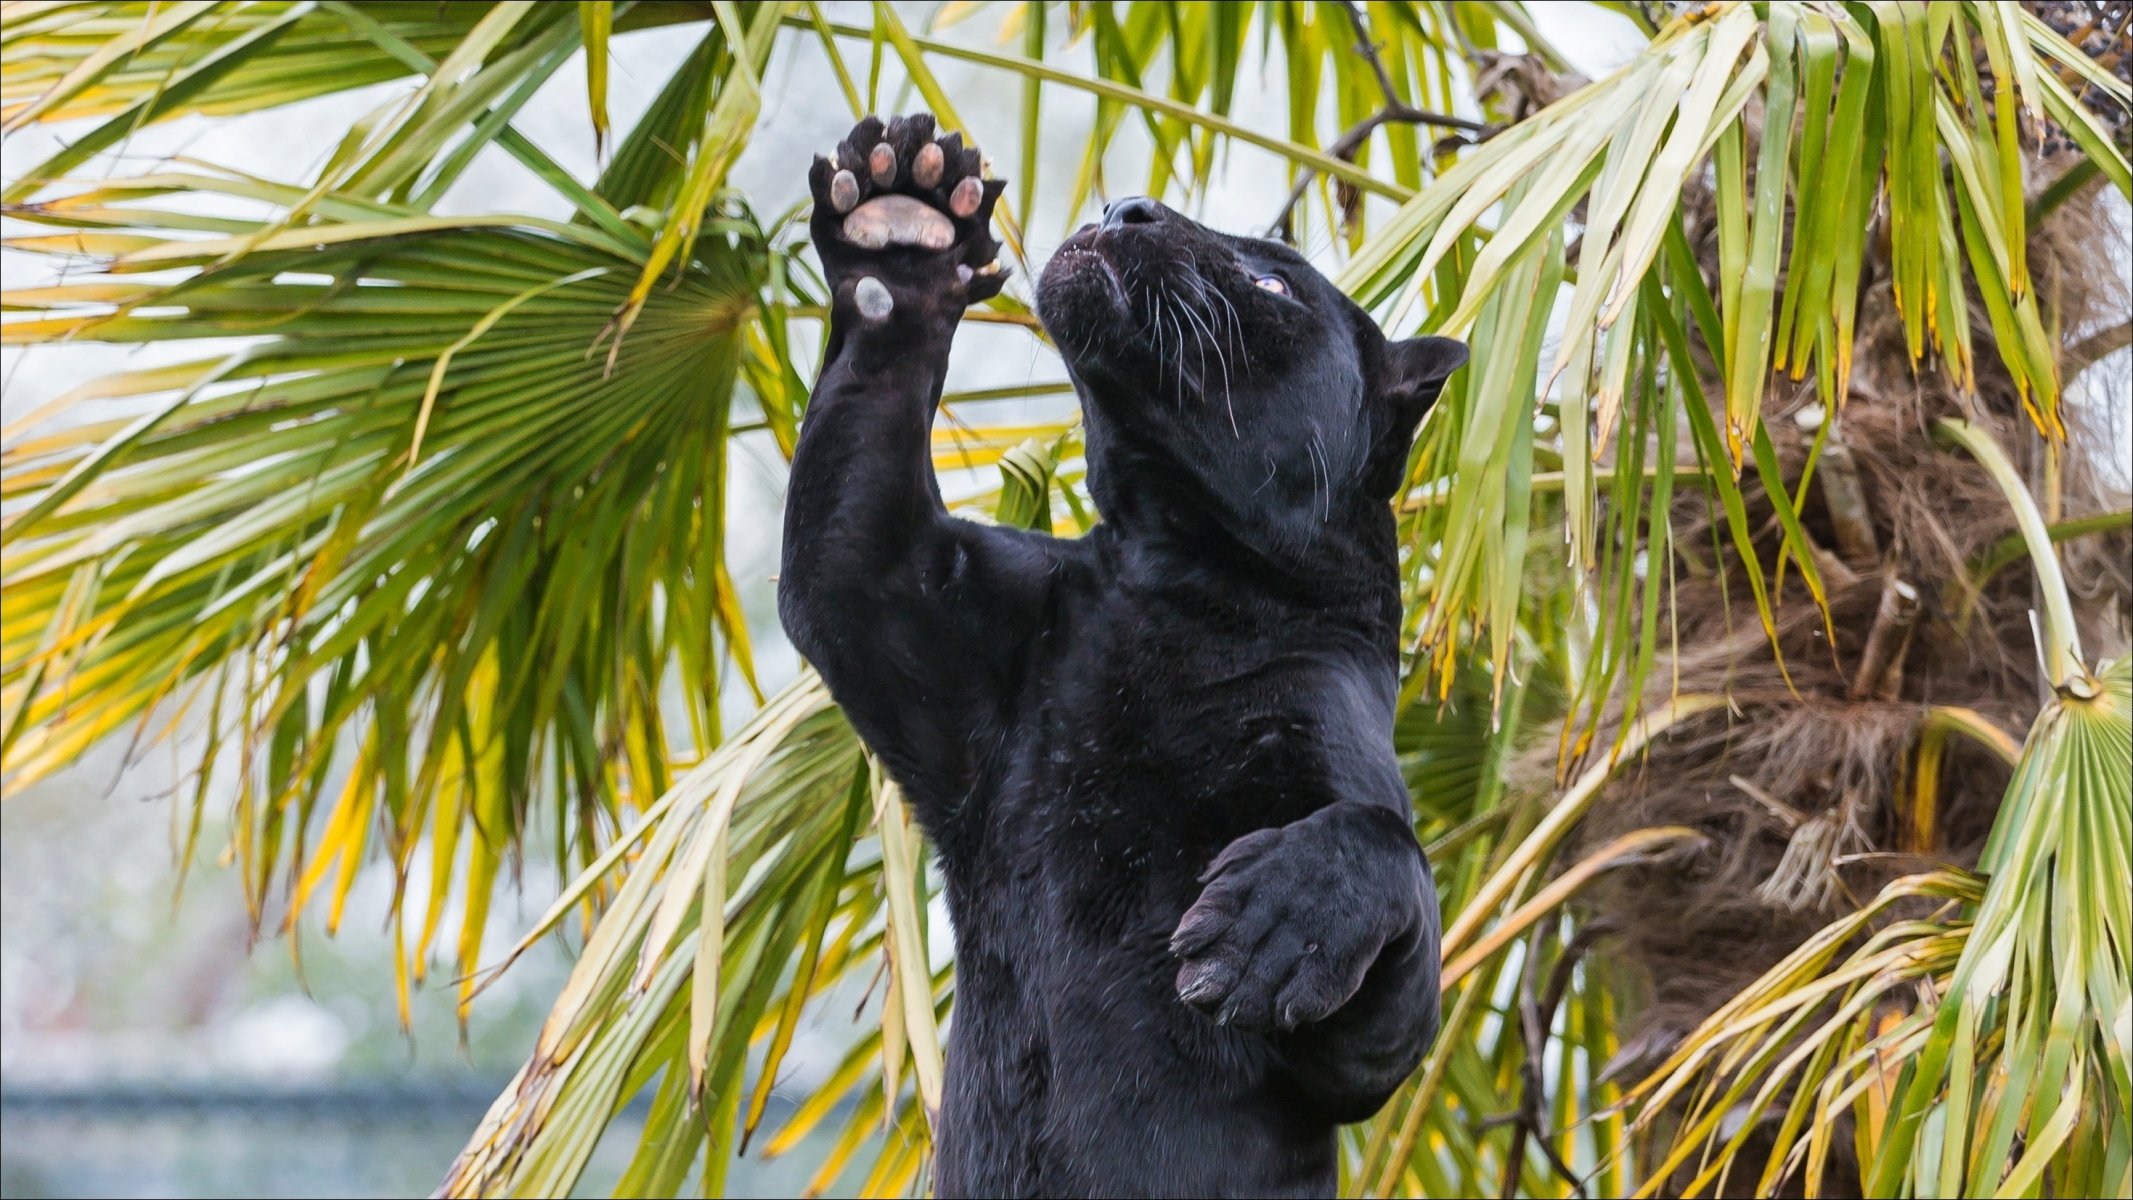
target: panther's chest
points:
(1154, 754)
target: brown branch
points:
(1881, 662)
(1395, 112)
(2090, 350)
(1345, 146)
(1837, 575)
(1849, 513)
(1368, 47)
(1467, 49)
(1536, 1015)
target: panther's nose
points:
(1133, 210)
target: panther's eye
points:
(1272, 283)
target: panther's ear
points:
(1410, 377)
(1415, 371)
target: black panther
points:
(1194, 930)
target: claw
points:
(1200, 987)
(926, 165)
(873, 299)
(844, 191)
(962, 273)
(963, 201)
(882, 163)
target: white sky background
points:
(804, 112)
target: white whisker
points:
(1205, 335)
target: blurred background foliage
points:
(1765, 693)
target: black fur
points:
(1194, 930)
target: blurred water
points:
(149, 1146)
(338, 1142)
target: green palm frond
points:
(764, 832)
(1978, 1049)
(149, 61)
(426, 533)
(1481, 254)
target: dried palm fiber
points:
(1802, 791)
(1798, 786)
(2104, 32)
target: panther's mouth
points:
(1076, 259)
(1141, 304)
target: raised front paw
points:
(1290, 920)
(902, 219)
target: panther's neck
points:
(1344, 573)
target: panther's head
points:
(1224, 375)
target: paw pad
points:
(898, 221)
(894, 189)
(888, 182)
(873, 299)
